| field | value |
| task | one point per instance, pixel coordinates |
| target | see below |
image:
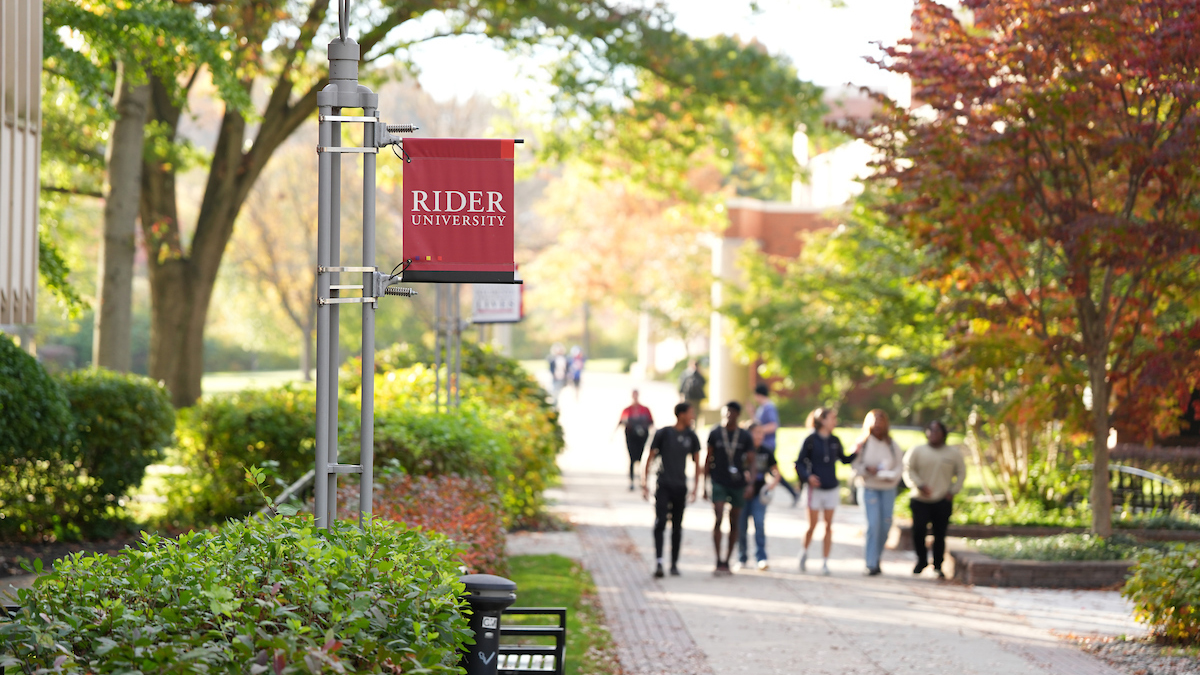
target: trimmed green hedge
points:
(122, 423)
(525, 431)
(72, 447)
(263, 596)
(503, 430)
(221, 435)
(37, 474)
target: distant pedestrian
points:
(691, 386)
(765, 478)
(575, 369)
(766, 416)
(816, 466)
(672, 446)
(937, 473)
(638, 422)
(878, 463)
(729, 463)
(559, 369)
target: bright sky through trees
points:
(826, 43)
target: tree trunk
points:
(1101, 493)
(111, 343)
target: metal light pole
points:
(344, 91)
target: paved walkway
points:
(781, 621)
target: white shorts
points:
(823, 500)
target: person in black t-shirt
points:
(730, 460)
(672, 446)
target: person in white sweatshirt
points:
(936, 472)
(878, 463)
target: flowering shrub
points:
(260, 596)
(1165, 592)
(466, 510)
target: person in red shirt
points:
(638, 422)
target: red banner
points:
(458, 210)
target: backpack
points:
(693, 386)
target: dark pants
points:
(669, 499)
(787, 486)
(635, 446)
(937, 515)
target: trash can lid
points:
(488, 582)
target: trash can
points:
(488, 595)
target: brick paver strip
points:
(650, 636)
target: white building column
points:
(728, 380)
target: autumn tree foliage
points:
(280, 52)
(1048, 164)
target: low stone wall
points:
(971, 567)
(901, 536)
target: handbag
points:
(765, 495)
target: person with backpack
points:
(638, 422)
(673, 446)
(878, 464)
(936, 472)
(691, 386)
(817, 467)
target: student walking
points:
(638, 422)
(878, 463)
(766, 477)
(937, 472)
(559, 367)
(691, 386)
(766, 415)
(672, 446)
(575, 369)
(729, 462)
(816, 466)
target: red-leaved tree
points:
(1049, 161)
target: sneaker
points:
(825, 568)
(873, 571)
(722, 568)
(919, 568)
(738, 566)
(763, 566)
(674, 571)
(803, 562)
(631, 487)
(658, 571)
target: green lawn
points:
(220, 383)
(556, 581)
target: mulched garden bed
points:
(1141, 656)
(12, 554)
